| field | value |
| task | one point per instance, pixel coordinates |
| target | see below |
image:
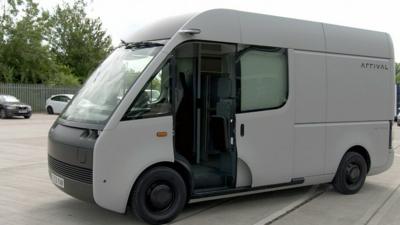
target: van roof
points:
(234, 26)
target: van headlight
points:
(29, 108)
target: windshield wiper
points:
(140, 45)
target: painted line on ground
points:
(313, 193)
(377, 216)
(196, 212)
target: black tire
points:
(50, 110)
(3, 114)
(27, 117)
(351, 174)
(159, 195)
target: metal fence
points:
(34, 94)
(397, 98)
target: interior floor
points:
(211, 173)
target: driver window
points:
(154, 99)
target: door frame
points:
(197, 92)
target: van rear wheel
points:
(159, 195)
(351, 174)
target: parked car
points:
(56, 103)
(398, 119)
(11, 106)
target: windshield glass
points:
(108, 84)
(8, 98)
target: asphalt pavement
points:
(28, 197)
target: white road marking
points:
(311, 194)
(384, 208)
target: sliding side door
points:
(264, 119)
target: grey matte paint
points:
(277, 141)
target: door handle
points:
(242, 130)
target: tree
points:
(77, 41)
(25, 57)
(6, 15)
(397, 72)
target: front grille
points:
(73, 172)
(22, 107)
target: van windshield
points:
(109, 83)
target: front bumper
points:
(70, 157)
(79, 190)
(16, 112)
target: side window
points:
(64, 98)
(154, 100)
(56, 98)
(264, 79)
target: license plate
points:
(57, 180)
(23, 111)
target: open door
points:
(264, 122)
(205, 110)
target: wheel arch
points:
(179, 165)
(363, 152)
(49, 106)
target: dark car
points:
(10, 106)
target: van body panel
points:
(262, 147)
(266, 30)
(311, 180)
(372, 136)
(355, 87)
(216, 25)
(123, 153)
(353, 41)
(243, 174)
(391, 48)
(262, 30)
(341, 94)
(309, 150)
(386, 166)
(309, 72)
(159, 30)
(267, 144)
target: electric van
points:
(225, 103)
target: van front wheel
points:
(159, 195)
(351, 174)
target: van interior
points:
(205, 103)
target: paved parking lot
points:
(28, 197)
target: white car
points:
(398, 119)
(56, 103)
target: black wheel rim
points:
(353, 173)
(160, 197)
